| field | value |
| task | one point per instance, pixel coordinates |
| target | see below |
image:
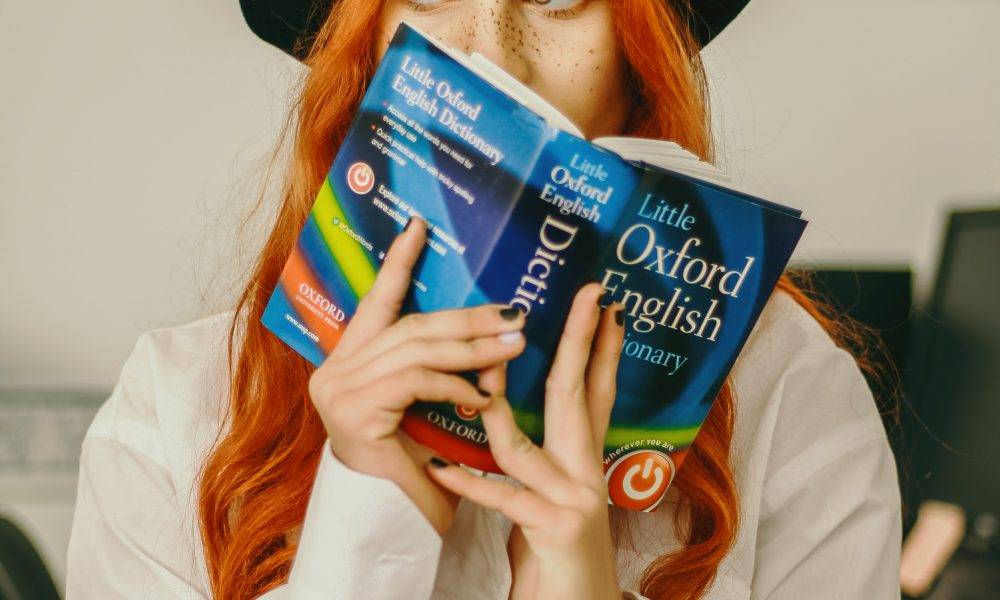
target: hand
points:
(382, 364)
(562, 512)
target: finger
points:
(417, 383)
(567, 423)
(440, 355)
(520, 458)
(494, 380)
(456, 324)
(522, 506)
(602, 373)
(380, 306)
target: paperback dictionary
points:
(522, 209)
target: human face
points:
(564, 50)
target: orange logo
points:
(465, 412)
(639, 479)
(360, 178)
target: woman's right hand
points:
(384, 363)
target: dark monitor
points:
(956, 383)
(880, 298)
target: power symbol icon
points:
(629, 486)
(639, 480)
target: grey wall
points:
(130, 138)
(131, 135)
(875, 116)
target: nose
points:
(497, 29)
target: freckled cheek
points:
(586, 84)
(595, 96)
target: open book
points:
(522, 210)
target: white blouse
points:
(819, 499)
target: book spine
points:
(546, 250)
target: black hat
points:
(290, 24)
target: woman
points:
(231, 469)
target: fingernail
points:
(511, 337)
(437, 463)
(483, 393)
(620, 317)
(470, 376)
(408, 223)
(510, 313)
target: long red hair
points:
(255, 485)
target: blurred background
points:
(134, 136)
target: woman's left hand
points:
(561, 546)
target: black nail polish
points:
(470, 376)
(620, 317)
(408, 223)
(510, 313)
(437, 463)
(483, 393)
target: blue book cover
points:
(523, 211)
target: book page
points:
(671, 156)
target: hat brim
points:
(290, 25)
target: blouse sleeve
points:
(130, 536)
(362, 537)
(135, 534)
(127, 540)
(830, 522)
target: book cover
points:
(523, 212)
